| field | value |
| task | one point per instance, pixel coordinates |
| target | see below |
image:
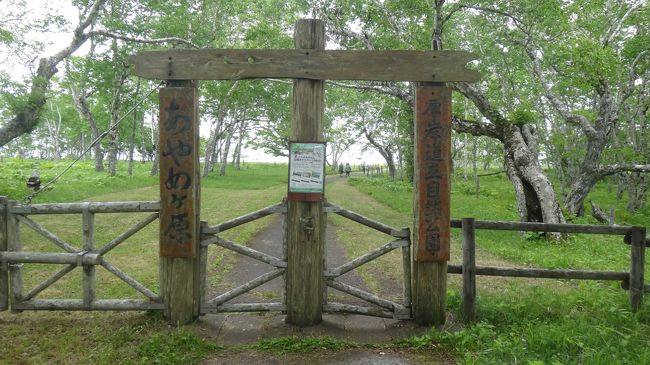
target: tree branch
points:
(127, 38)
(26, 117)
(473, 93)
(562, 109)
(474, 127)
(620, 167)
(379, 87)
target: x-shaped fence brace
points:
(389, 309)
(88, 257)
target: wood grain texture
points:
(180, 202)
(429, 293)
(305, 63)
(431, 190)
(14, 244)
(637, 267)
(432, 169)
(306, 220)
(469, 270)
(523, 272)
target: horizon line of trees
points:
(565, 84)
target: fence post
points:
(431, 196)
(637, 267)
(4, 275)
(305, 219)
(180, 190)
(14, 244)
(88, 224)
(469, 270)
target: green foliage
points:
(521, 116)
(175, 347)
(294, 344)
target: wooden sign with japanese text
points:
(433, 159)
(179, 183)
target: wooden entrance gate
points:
(382, 307)
(309, 65)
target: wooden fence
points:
(632, 280)
(384, 307)
(13, 215)
(12, 258)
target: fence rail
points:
(12, 256)
(388, 308)
(209, 237)
(632, 280)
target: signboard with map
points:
(307, 168)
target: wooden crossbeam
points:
(237, 64)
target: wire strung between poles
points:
(28, 199)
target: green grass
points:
(82, 182)
(127, 338)
(78, 183)
(306, 344)
(522, 321)
(530, 321)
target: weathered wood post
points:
(305, 219)
(88, 231)
(14, 244)
(431, 191)
(4, 274)
(469, 270)
(637, 267)
(180, 201)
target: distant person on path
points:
(340, 169)
(347, 170)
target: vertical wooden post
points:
(14, 244)
(431, 189)
(180, 201)
(305, 220)
(469, 270)
(406, 266)
(203, 269)
(637, 267)
(88, 224)
(4, 275)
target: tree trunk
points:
(26, 118)
(240, 140)
(536, 201)
(81, 104)
(588, 175)
(155, 167)
(54, 129)
(386, 153)
(224, 155)
(474, 169)
(133, 128)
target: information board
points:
(307, 167)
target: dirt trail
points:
(248, 328)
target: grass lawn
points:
(522, 321)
